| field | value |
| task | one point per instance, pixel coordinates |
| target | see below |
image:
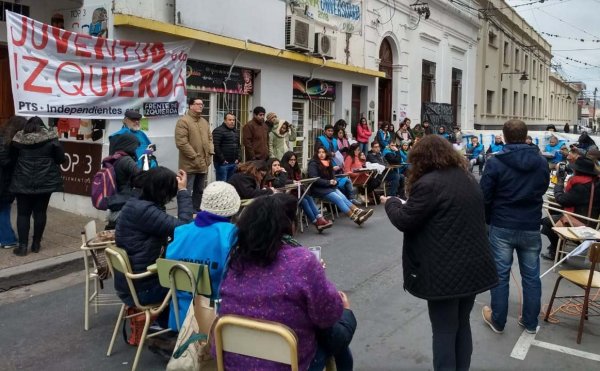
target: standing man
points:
(513, 183)
(195, 143)
(131, 125)
(255, 136)
(227, 148)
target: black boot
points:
(21, 250)
(35, 246)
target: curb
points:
(41, 270)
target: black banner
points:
(438, 114)
(210, 77)
(313, 89)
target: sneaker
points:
(9, 245)
(364, 215)
(486, 313)
(520, 322)
(323, 223)
(356, 202)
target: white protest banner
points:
(59, 73)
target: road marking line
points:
(566, 350)
(522, 346)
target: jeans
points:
(310, 208)
(346, 187)
(35, 204)
(343, 360)
(528, 245)
(452, 342)
(480, 160)
(339, 200)
(393, 180)
(225, 171)
(363, 147)
(7, 234)
(195, 186)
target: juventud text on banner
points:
(56, 72)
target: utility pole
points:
(594, 128)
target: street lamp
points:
(524, 76)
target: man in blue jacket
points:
(513, 184)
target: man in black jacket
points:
(393, 178)
(226, 139)
(513, 183)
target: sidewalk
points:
(59, 253)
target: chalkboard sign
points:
(438, 114)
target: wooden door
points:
(6, 99)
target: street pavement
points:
(41, 325)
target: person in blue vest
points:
(475, 154)
(442, 132)
(131, 125)
(495, 147)
(553, 147)
(327, 141)
(207, 240)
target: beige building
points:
(514, 79)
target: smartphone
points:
(316, 250)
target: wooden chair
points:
(183, 276)
(566, 239)
(255, 338)
(96, 271)
(361, 182)
(586, 280)
(118, 261)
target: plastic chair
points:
(119, 261)
(585, 279)
(255, 338)
(183, 276)
(95, 273)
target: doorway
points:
(386, 62)
(7, 108)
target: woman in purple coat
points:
(271, 277)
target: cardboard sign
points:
(59, 73)
(82, 163)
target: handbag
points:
(192, 350)
(571, 221)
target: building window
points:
(526, 67)
(506, 53)
(515, 103)
(517, 61)
(15, 8)
(533, 106)
(524, 105)
(428, 82)
(490, 102)
(504, 94)
(492, 38)
(456, 95)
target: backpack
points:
(104, 183)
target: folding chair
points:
(565, 239)
(586, 279)
(255, 338)
(119, 261)
(96, 271)
(183, 276)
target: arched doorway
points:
(386, 58)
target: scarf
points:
(325, 163)
(576, 179)
(204, 219)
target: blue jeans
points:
(310, 209)
(528, 245)
(363, 147)
(393, 180)
(343, 360)
(225, 171)
(7, 234)
(339, 200)
(346, 187)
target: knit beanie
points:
(220, 198)
(271, 116)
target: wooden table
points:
(566, 234)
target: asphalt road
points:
(41, 326)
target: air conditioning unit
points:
(325, 45)
(299, 34)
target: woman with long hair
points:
(291, 169)
(248, 180)
(265, 280)
(363, 134)
(36, 175)
(8, 131)
(342, 140)
(325, 187)
(383, 135)
(446, 255)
